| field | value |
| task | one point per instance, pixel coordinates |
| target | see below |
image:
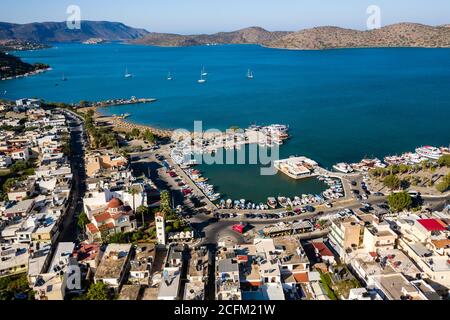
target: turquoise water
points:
(341, 105)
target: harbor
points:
(184, 151)
(419, 156)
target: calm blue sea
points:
(341, 105)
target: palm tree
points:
(142, 210)
(133, 191)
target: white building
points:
(160, 228)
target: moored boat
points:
(272, 202)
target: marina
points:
(187, 147)
(421, 154)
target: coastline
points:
(121, 125)
(26, 75)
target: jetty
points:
(116, 102)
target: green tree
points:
(392, 182)
(117, 238)
(176, 225)
(169, 229)
(85, 104)
(393, 169)
(19, 285)
(99, 291)
(133, 191)
(19, 166)
(444, 160)
(399, 201)
(148, 136)
(444, 185)
(83, 220)
(143, 211)
(403, 168)
(9, 184)
(135, 132)
(165, 203)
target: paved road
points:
(69, 229)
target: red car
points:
(240, 228)
(187, 191)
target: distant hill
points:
(11, 66)
(252, 35)
(396, 35)
(46, 32)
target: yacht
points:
(343, 167)
(249, 74)
(283, 202)
(201, 80)
(127, 74)
(429, 152)
(272, 203)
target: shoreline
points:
(121, 125)
(26, 75)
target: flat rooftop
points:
(145, 255)
(129, 292)
(198, 264)
(113, 261)
(170, 286)
(289, 248)
(395, 286)
(62, 254)
(13, 255)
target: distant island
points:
(252, 35)
(397, 35)
(94, 41)
(319, 38)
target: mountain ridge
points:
(396, 35)
(250, 35)
(318, 38)
(45, 32)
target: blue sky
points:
(206, 16)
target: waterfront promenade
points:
(121, 125)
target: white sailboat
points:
(204, 73)
(201, 80)
(127, 74)
(249, 74)
(63, 77)
(169, 77)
